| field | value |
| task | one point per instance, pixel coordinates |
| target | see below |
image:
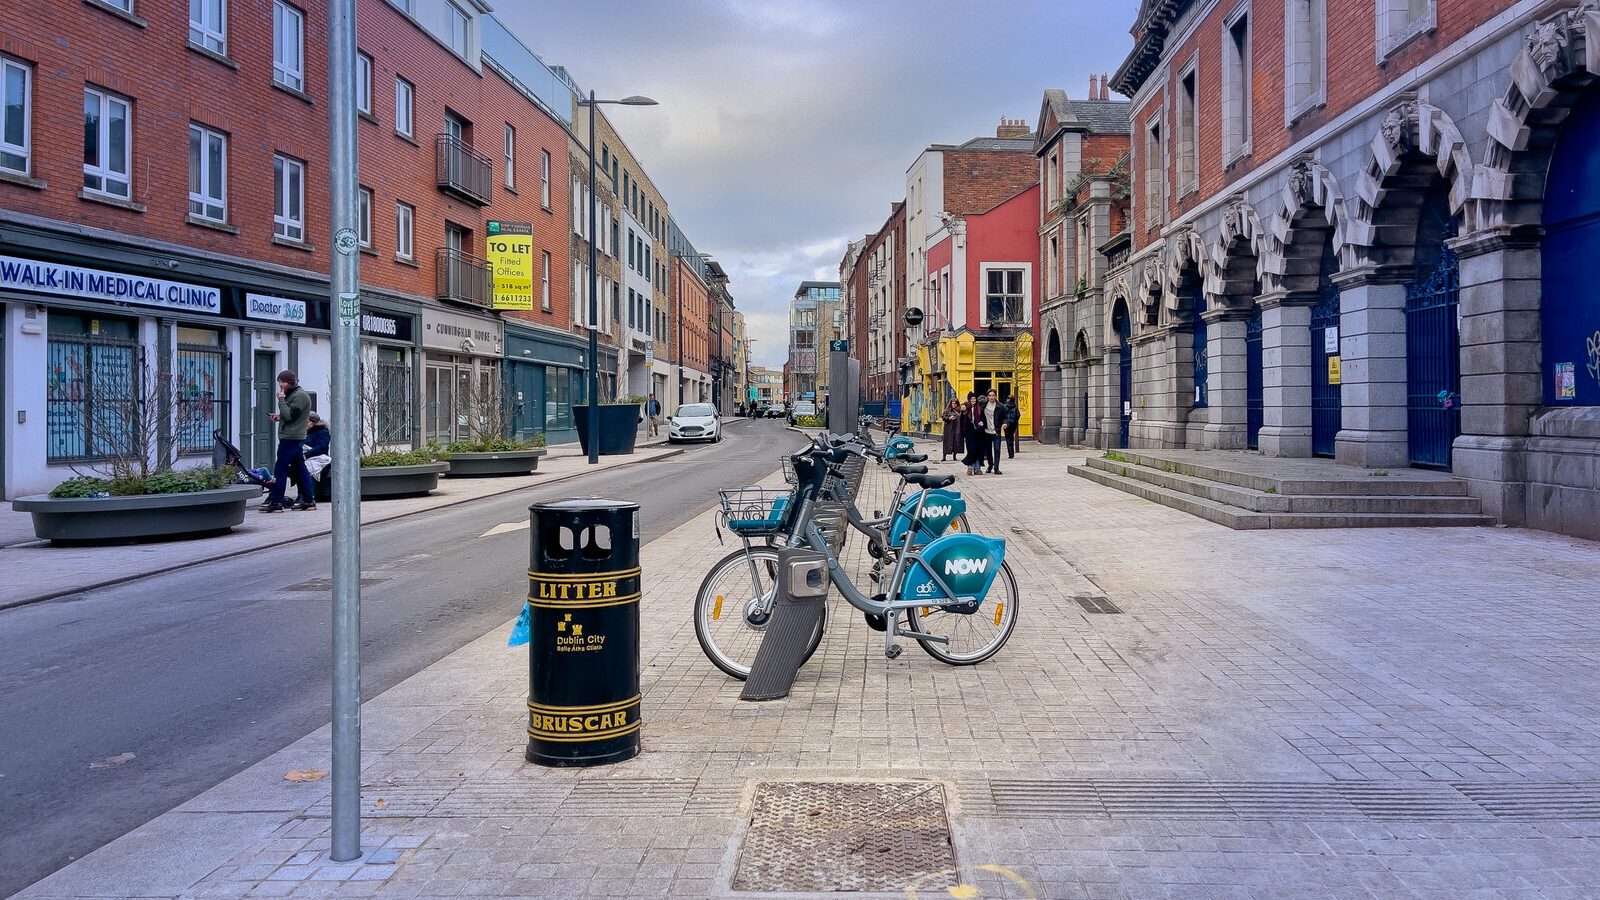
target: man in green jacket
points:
(293, 418)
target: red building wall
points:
(1007, 233)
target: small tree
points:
(119, 415)
(487, 415)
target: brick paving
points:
(1363, 713)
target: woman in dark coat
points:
(952, 431)
(976, 426)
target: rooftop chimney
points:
(1012, 128)
(1094, 88)
(1105, 86)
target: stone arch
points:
(1235, 269)
(1312, 212)
(1557, 61)
(1052, 345)
(1118, 292)
(1080, 347)
(1416, 147)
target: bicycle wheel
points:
(733, 607)
(959, 523)
(973, 637)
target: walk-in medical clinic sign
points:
(511, 262)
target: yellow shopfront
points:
(948, 368)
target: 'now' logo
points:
(965, 566)
(934, 512)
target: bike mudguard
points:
(967, 563)
(897, 445)
(941, 508)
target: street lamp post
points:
(593, 385)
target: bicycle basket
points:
(788, 469)
(750, 511)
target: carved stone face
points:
(1299, 179)
(1547, 41)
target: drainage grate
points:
(326, 584)
(1539, 800)
(831, 836)
(1096, 604)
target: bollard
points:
(583, 652)
(802, 586)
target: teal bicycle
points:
(938, 592)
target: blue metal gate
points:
(1254, 384)
(1325, 407)
(1433, 361)
(1120, 323)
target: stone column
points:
(1109, 412)
(1372, 363)
(1226, 380)
(1501, 382)
(1052, 403)
(1094, 394)
(1286, 373)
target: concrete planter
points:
(381, 482)
(495, 463)
(146, 517)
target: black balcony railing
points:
(461, 277)
(464, 171)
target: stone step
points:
(1394, 483)
(1277, 502)
(1243, 519)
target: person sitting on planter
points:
(293, 417)
(318, 462)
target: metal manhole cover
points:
(831, 836)
(1098, 605)
(326, 584)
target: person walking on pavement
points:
(652, 408)
(977, 438)
(1013, 424)
(994, 420)
(293, 418)
(952, 431)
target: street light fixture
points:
(593, 384)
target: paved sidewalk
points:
(1185, 711)
(35, 570)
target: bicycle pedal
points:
(893, 651)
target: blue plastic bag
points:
(519, 631)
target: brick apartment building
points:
(1361, 207)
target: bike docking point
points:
(583, 650)
(802, 588)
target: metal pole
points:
(346, 290)
(594, 306)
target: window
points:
(544, 178)
(208, 174)
(107, 144)
(544, 281)
(393, 406)
(1401, 20)
(1155, 175)
(201, 390)
(404, 215)
(1304, 56)
(15, 124)
(1051, 167)
(1053, 273)
(289, 192)
(364, 219)
(364, 83)
(511, 158)
(402, 106)
(288, 46)
(124, 5)
(208, 25)
(559, 388)
(459, 24)
(91, 401)
(1188, 132)
(1004, 301)
(1236, 86)
(403, 5)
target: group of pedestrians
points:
(978, 427)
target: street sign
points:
(510, 247)
(843, 346)
(913, 317)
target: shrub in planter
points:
(497, 455)
(810, 422)
(88, 509)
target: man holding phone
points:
(293, 418)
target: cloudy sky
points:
(786, 126)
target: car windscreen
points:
(696, 411)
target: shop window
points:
(201, 388)
(92, 390)
(392, 397)
(558, 398)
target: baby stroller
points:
(224, 453)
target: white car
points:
(694, 422)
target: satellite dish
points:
(913, 317)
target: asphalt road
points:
(201, 672)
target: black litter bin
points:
(583, 652)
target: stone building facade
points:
(1383, 268)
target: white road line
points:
(505, 528)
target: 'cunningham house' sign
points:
(72, 281)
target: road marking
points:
(505, 528)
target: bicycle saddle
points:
(910, 470)
(931, 481)
(913, 457)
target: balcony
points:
(462, 278)
(463, 171)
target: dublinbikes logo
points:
(927, 589)
(965, 566)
